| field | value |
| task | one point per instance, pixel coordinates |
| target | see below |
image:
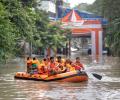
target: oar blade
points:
(97, 76)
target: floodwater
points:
(106, 89)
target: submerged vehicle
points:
(73, 76)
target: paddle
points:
(99, 77)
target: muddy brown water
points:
(106, 89)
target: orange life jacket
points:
(78, 65)
(52, 65)
(29, 62)
(43, 68)
(69, 67)
(36, 62)
(45, 63)
(60, 63)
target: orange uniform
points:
(69, 67)
(43, 68)
(52, 65)
(29, 64)
(78, 65)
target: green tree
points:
(109, 9)
(21, 20)
(7, 36)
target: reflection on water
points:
(106, 89)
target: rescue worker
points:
(59, 61)
(43, 68)
(47, 58)
(29, 64)
(61, 64)
(77, 64)
(53, 67)
(35, 65)
(68, 65)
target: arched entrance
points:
(96, 38)
(81, 26)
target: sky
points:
(76, 2)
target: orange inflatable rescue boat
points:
(73, 76)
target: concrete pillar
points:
(93, 46)
(101, 47)
(97, 46)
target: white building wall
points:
(48, 6)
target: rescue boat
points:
(73, 76)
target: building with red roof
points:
(86, 24)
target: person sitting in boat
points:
(29, 64)
(47, 58)
(68, 65)
(35, 65)
(77, 64)
(45, 62)
(43, 68)
(53, 67)
(60, 63)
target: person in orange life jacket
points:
(52, 63)
(45, 62)
(43, 66)
(77, 64)
(47, 58)
(29, 64)
(60, 64)
(68, 65)
(35, 65)
(53, 68)
(59, 60)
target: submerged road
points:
(106, 89)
